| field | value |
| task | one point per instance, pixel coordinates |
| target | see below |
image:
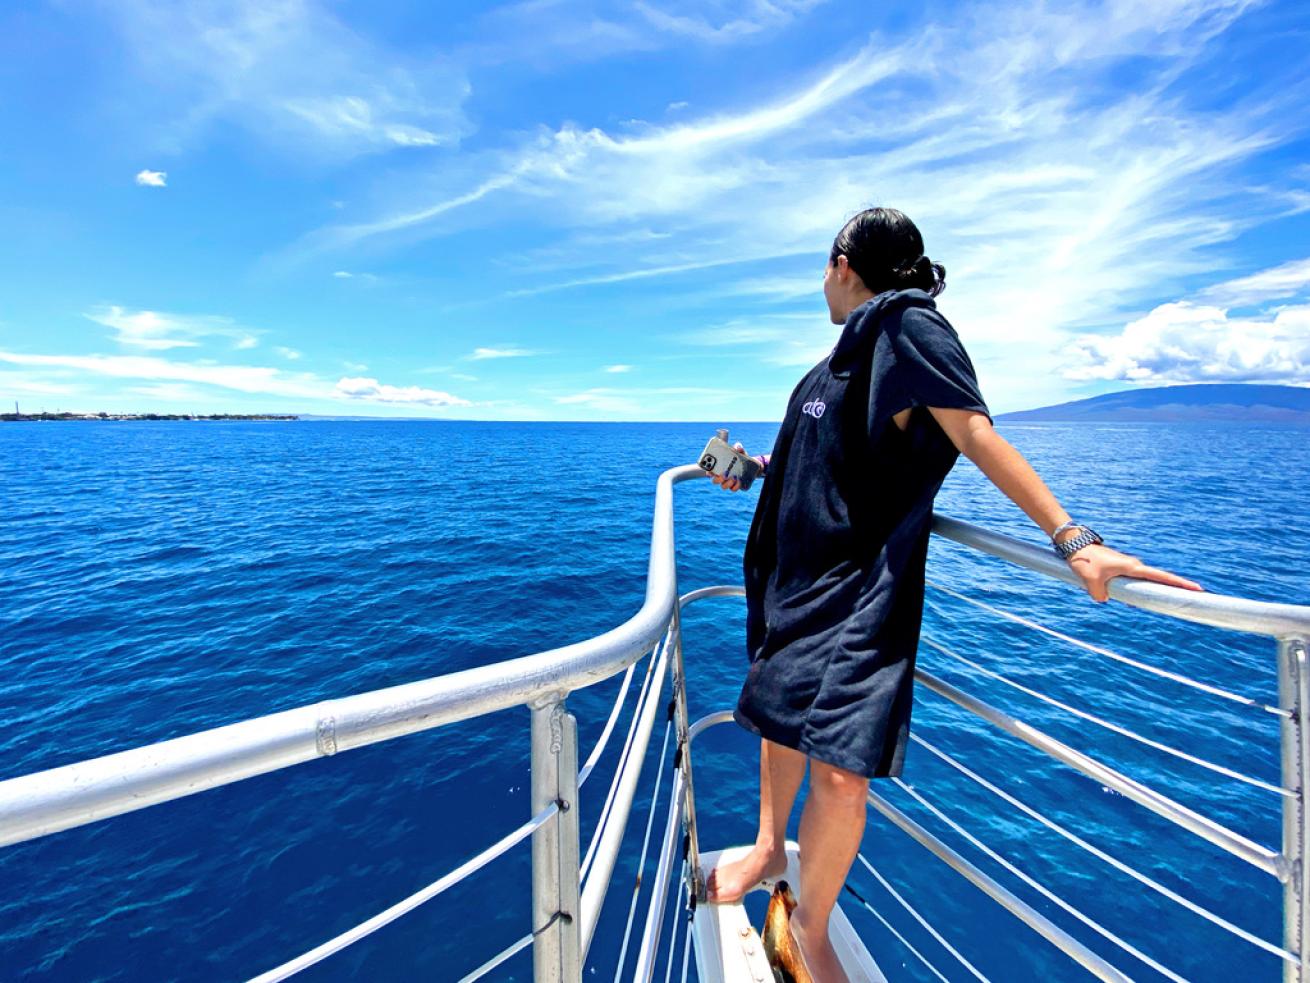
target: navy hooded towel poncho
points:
(834, 563)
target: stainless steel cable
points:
(1109, 725)
(618, 770)
(499, 958)
(1110, 654)
(686, 939)
(1100, 854)
(383, 918)
(1041, 889)
(913, 912)
(511, 950)
(585, 771)
(902, 939)
(645, 847)
(677, 921)
(1270, 861)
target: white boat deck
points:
(729, 949)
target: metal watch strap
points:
(1088, 537)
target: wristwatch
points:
(1086, 537)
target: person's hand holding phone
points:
(730, 484)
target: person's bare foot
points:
(816, 950)
(728, 883)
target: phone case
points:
(721, 458)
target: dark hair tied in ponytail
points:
(885, 249)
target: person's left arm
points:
(973, 435)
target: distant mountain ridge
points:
(1235, 403)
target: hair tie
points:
(908, 267)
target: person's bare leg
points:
(832, 825)
(781, 772)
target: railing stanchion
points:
(1294, 695)
(556, 921)
(695, 882)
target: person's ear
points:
(842, 265)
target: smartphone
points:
(721, 458)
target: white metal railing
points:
(568, 894)
(1288, 625)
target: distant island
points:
(1240, 403)
(46, 417)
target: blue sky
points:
(620, 209)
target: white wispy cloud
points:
(171, 392)
(1286, 280)
(763, 329)
(291, 72)
(545, 33)
(241, 378)
(720, 22)
(649, 402)
(791, 339)
(152, 179)
(480, 354)
(158, 330)
(22, 384)
(370, 390)
(169, 378)
(616, 369)
(602, 400)
(291, 354)
(1057, 200)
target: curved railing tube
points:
(1202, 607)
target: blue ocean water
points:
(163, 578)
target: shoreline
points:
(121, 417)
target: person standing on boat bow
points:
(834, 562)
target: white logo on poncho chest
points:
(814, 408)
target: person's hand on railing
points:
(732, 484)
(1096, 564)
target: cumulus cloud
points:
(159, 331)
(1191, 342)
(152, 179)
(373, 391)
